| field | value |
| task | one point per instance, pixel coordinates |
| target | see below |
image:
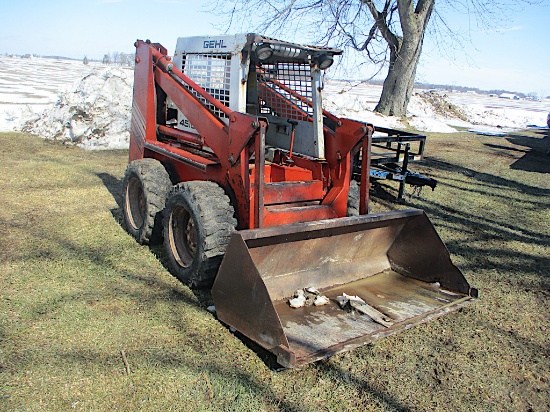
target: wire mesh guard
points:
(284, 90)
(212, 73)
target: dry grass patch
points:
(77, 291)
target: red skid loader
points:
(248, 181)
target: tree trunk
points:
(404, 52)
(399, 83)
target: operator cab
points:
(259, 75)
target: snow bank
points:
(429, 112)
(95, 114)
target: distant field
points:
(90, 320)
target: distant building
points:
(510, 96)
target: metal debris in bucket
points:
(307, 297)
(356, 303)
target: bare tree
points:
(123, 59)
(126, 59)
(387, 32)
(115, 57)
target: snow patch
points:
(352, 106)
(95, 114)
(429, 124)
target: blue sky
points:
(514, 56)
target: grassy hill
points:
(90, 320)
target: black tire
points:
(198, 222)
(353, 199)
(146, 185)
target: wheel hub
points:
(182, 236)
(135, 203)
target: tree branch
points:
(424, 7)
(380, 21)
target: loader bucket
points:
(394, 261)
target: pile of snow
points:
(95, 114)
(423, 116)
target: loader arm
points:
(226, 141)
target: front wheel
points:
(198, 222)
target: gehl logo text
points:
(214, 44)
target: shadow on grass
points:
(481, 226)
(484, 179)
(537, 151)
(114, 186)
(97, 256)
(362, 385)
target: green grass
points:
(77, 290)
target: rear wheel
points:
(354, 199)
(198, 222)
(146, 185)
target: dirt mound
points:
(94, 114)
(441, 106)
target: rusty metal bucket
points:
(394, 261)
